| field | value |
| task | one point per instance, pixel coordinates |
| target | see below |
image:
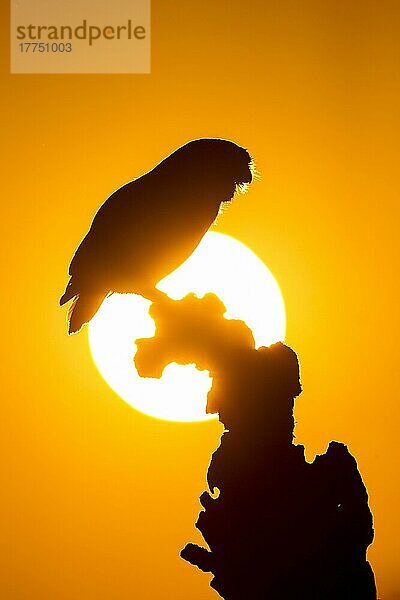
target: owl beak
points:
(248, 177)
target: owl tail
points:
(70, 292)
(83, 308)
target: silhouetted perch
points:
(280, 528)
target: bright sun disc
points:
(221, 265)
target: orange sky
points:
(97, 499)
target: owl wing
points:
(122, 210)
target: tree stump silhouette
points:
(276, 526)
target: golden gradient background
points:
(97, 499)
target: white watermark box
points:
(80, 36)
